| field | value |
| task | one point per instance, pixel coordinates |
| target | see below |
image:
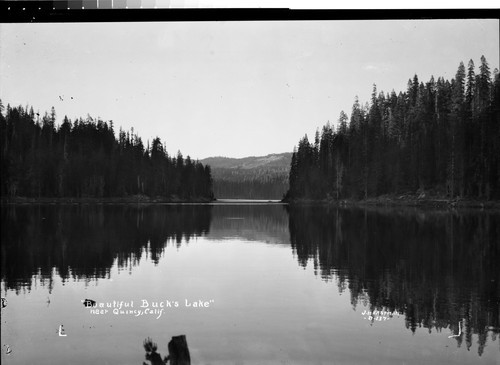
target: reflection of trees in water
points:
(437, 268)
(83, 242)
(265, 223)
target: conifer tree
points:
(441, 136)
(84, 159)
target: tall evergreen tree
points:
(84, 159)
(441, 136)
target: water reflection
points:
(437, 268)
(440, 269)
(83, 242)
(263, 223)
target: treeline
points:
(84, 159)
(441, 137)
(263, 186)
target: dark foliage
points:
(437, 268)
(265, 184)
(85, 241)
(440, 136)
(84, 159)
(263, 177)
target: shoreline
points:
(134, 199)
(382, 201)
(402, 201)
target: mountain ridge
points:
(270, 160)
(252, 177)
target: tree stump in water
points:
(178, 351)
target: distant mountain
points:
(273, 161)
(255, 177)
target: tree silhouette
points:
(442, 136)
(84, 159)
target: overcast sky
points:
(228, 88)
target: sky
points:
(228, 88)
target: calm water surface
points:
(277, 285)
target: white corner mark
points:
(8, 350)
(61, 331)
(459, 330)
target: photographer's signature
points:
(377, 315)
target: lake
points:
(250, 284)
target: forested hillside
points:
(441, 137)
(262, 177)
(84, 159)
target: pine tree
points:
(84, 159)
(440, 136)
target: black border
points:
(57, 12)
